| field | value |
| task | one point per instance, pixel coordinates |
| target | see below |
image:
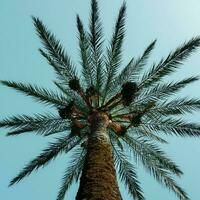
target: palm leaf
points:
(73, 96)
(125, 73)
(165, 89)
(60, 70)
(177, 106)
(115, 50)
(95, 38)
(73, 171)
(45, 128)
(165, 179)
(127, 174)
(144, 132)
(87, 70)
(170, 64)
(176, 127)
(156, 163)
(54, 49)
(65, 143)
(40, 94)
(150, 154)
(65, 90)
(133, 69)
(161, 91)
(42, 124)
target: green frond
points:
(170, 64)
(133, 69)
(156, 163)
(61, 72)
(80, 103)
(38, 93)
(115, 140)
(127, 174)
(45, 124)
(72, 172)
(172, 87)
(54, 48)
(163, 90)
(65, 143)
(149, 154)
(144, 132)
(96, 40)
(125, 73)
(177, 106)
(45, 128)
(19, 131)
(176, 127)
(165, 179)
(87, 70)
(65, 90)
(141, 62)
(114, 51)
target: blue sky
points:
(170, 22)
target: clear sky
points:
(172, 22)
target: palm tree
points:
(103, 114)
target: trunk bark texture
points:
(98, 180)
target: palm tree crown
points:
(139, 106)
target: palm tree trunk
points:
(98, 180)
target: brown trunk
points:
(98, 180)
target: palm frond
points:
(73, 96)
(127, 174)
(141, 62)
(65, 90)
(125, 73)
(38, 93)
(165, 179)
(65, 143)
(45, 127)
(144, 132)
(149, 154)
(58, 68)
(73, 171)
(19, 131)
(176, 127)
(95, 38)
(164, 90)
(170, 64)
(177, 106)
(115, 140)
(45, 124)
(115, 50)
(54, 49)
(133, 69)
(87, 70)
(156, 163)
